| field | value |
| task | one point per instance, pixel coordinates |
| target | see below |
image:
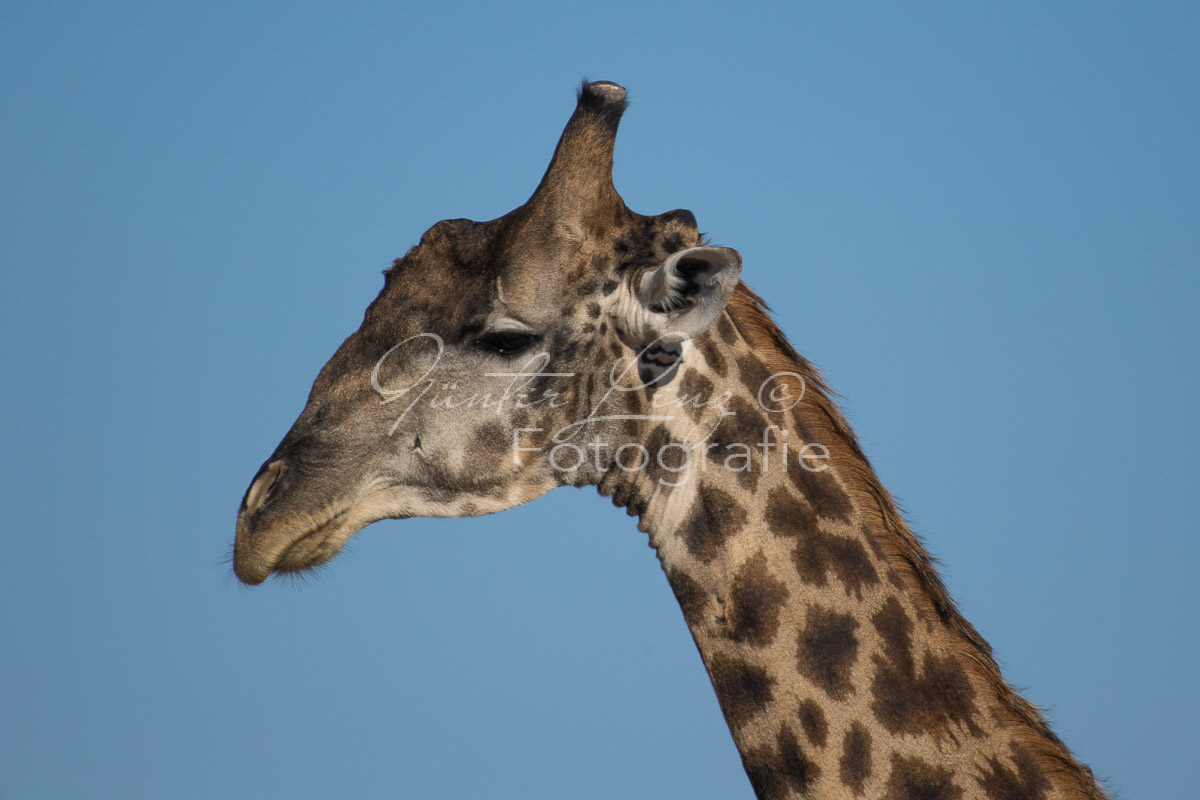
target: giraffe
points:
(574, 342)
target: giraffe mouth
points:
(317, 546)
(290, 548)
(307, 539)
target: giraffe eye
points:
(505, 343)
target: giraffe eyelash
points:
(506, 343)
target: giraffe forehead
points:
(464, 273)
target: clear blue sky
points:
(983, 222)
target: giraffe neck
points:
(840, 664)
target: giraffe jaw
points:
(289, 547)
(317, 546)
(309, 539)
(294, 545)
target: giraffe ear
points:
(684, 297)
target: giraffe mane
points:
(904, 550)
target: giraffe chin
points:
(297, 549)
(285, 549)
(318, 546)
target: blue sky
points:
(982, 222)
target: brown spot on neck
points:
(817, 553)
(917, 779)
(827, 649)
(780, 771)
(936, 700)
(715, 517)
(1021, 779)
(812, 721)
(755, 600)
(743, 690)
(855, 764)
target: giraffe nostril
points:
(260, 490)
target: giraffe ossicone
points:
(576, 342)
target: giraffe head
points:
(491, 344)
